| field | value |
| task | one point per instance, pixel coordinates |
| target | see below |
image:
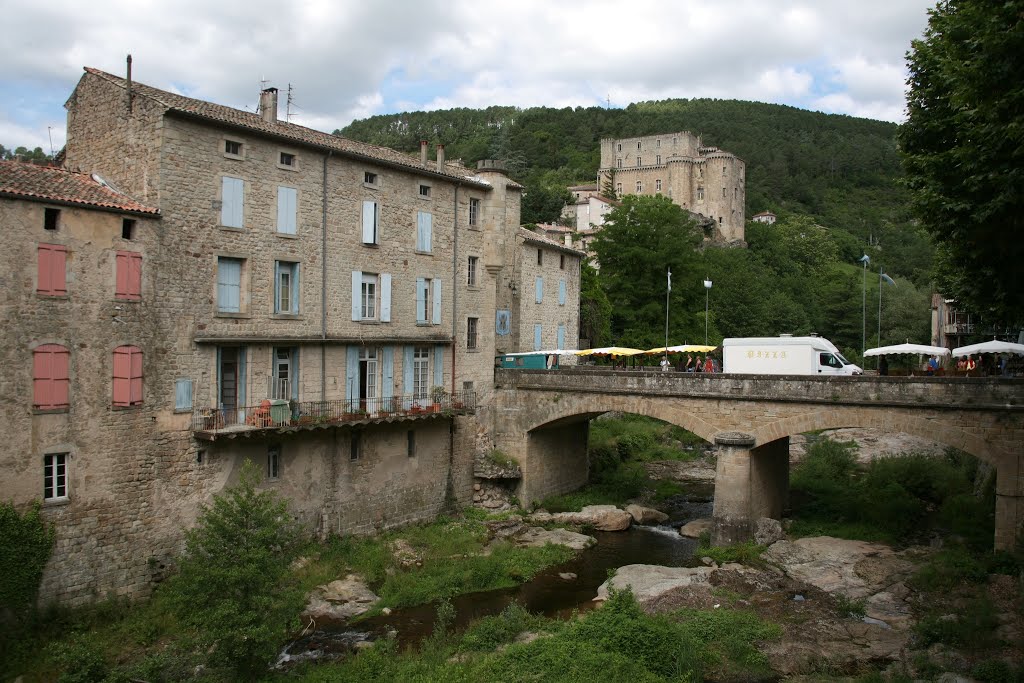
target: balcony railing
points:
(281, 414)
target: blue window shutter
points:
(561, 336)
(540, 289)
(295, 288)
(295, 374)
(387, 389)
(286, 201)
(385, 297)
(369, 222)
(242, 376)
(438, 366)
(232, 194)
(419, 231)
(561, 292)
(421, 300)
(352, 374)
(407, 375)
(536, 337)
(229, 285)
(183, 394)
(436, 318)
(357, 284)
(424, 222)
(429, 232)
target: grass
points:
(748, 552)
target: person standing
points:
(664, 363)
(689, 362)
(883, 366)
(709, 365)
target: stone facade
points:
(244, 198)
(703, 180)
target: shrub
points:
(26, 542)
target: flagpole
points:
(668, 291)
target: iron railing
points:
(277, 414)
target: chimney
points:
(440, 157)
(129, 80)
(268, 105)
(423, 152)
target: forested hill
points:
(841, 170)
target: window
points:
(50, 217)
(735, 193)
(471, 271)
(639, 186)
(369, 178)
(560, 342)
(233, 148)
(561, 261)
(618, 188)
(639, 161)
(286, 281)
(428, 301)
(229, 285)
(561, 292)
(723, 170)
(723, 193)
(273, 462)
(371, 296)
(618, 163)
(55, 476)
(232, 196)
(410, 443)
(52, 263)
(719, 220)
(127, 376)
(700, 193)
(283, 373)
(355, 446)
(128, 281)
(474, 212)
(657, 185)
(537, 331)
(540, 257)
(50, 380)
(128, 228)
(539, 289)
(657, 143)
(421, 372)
(287, 160)
(371, 223)
(471, 334)
(619, 147)
(183, 394)
(424, 190)
(424, 228)
(638, 144)
(287, 210)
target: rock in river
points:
(341, 599)
(600, 517)
(535, 536)
(642, 515)
(648, 581)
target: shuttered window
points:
(52, 269)
(232, 196)
(371, 216)
(128, 278)
(561, 292)
(50, 379)
(540, 289)
(560, 343)
(536, 337)
(127, 384)
(287, 203)
(229, 285)
(424, 229)
(183, 394)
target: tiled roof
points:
(289, 131)
(531, 236)
(50, 184)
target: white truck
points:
(785, 355)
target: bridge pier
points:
(553, 460)
(750, 483)
(1009, 503)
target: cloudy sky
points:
(346, 59)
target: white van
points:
(785, 355)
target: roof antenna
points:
(49, 132)
(129, 79)
(288, 105)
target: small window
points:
(723, 170)
(355, 446)
(657, 185)
(471, 332)
(719, 220)
(183, 394)
(410, 443)
(639, 161)
(700, 193)
(657, 143)
(474, 212)
(369, 178)
(233, 148)
(618, 188)
(723, 193)
(50, 217)
(128, 229)
(638, 144)
(287, 160)
(639, 186)
(55, 476)
(618, 163)
(540, 257)
(424, 190)
(471, 267)
(561, 261)
(127, 384)
(657, 160)
(619, 147)
(273, 462)
(286, 294)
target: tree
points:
(232, 587)
(963, 149)
(595, 310)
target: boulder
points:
(599, 517)
(340, 600)
(767, 531)
(695, 528)
(648, 581)
(405, 554)
(536, 536)
(642, 515)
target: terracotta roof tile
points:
(531, 236)
(290, 131)
(48, 183)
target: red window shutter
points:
(136, 378)
(122, 376)
(50, 379)
(135, 276)
(129, 275)
(52, 269)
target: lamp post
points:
(707, 294)
(865, 259)
(882, 277)
(667, 292)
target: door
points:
(231, 383)
(281, 382)
(368, 380)
(828, 364)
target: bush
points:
(26, 542)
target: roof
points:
(22, 180)
(592, 186)
(764, 213)
(530, 236)
(289, 131)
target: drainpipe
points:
(455, 282)
(323, 287)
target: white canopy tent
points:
(993, 346)
(920, 349)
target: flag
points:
(670, 279)
(888, 279)
(865, 259)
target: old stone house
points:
(322, 307)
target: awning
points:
(682, 348)
(610, 351)
(993, 346)
(920, 349)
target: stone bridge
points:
(541, 418)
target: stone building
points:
(706, 181)
(764, 217)
(320, 306)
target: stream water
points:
(550, 593)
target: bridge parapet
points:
(935, 392)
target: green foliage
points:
(232, 588)
(491, 632)
(997, 671)
(501, 459)
(595, 309)
(26, 542)
(850, 607)
(972, 626)
(747, 552)
(962, 150)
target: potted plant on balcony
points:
(439, 396)
(415, 409)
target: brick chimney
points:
(423, 152)
(440, 157)
(268, 105)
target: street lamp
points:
(707, 293)
(668, 291)
(865, 259)
(882, 277)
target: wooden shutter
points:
(561, 337)
(128, 269)
(540, 289)
(52, 269)
(369, 222)
(385, 297)
(229, 285)
(50, 379)
(561, 292)
(232, 195)
(357, 289)
(352, 374)
(127, 385)
(421, 300)
(387, 389)
(183, 394)
(438, 365)
(436, 316)
(536, 337)
(407, 383)
(287, 201)
(424, 222)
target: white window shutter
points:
(540, 289)
(421, 300)
(438, 365)
(561, 292)
(352, 373)
(536, 337)
(436, 319)
(357, 284)
(424, 221)
(229, 285)
(286, 201)
(232, 194)
(407, 381)
(369, 222)
(385, 297)
(387, 389)
(561, 337)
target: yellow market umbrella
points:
(610, 351)
(682, 348)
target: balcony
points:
(282, 417)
